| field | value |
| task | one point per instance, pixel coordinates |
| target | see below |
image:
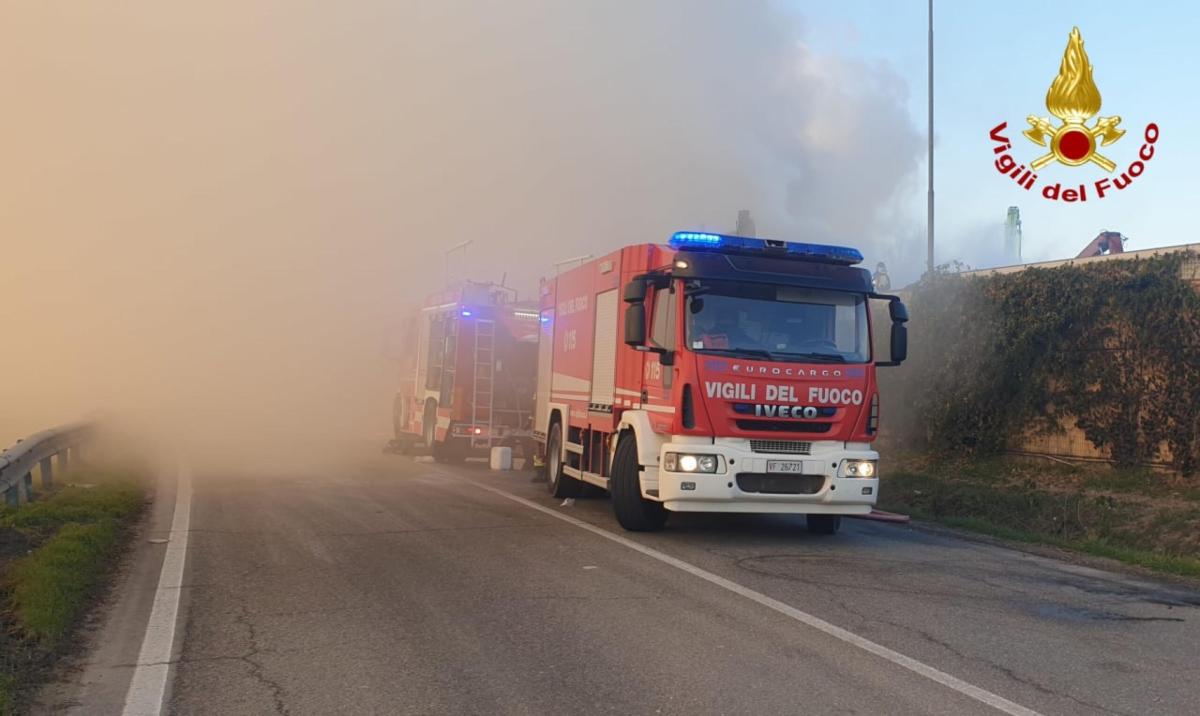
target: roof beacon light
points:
(722, 243)
(693, 238)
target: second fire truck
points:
(467, 382)
(738, 377)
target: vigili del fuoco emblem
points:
(1074, 98)
(1075, 139)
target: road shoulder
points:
(95, 680)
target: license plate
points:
(791, 467)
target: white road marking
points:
(149, 683)
(982, 695)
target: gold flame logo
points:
(1074, 98)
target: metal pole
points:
(451, 250)
(929, 213)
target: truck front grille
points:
(791, 447)
(771, 484)
(783, 426)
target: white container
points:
(501, 458)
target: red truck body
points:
(773, 409)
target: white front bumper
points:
(698, 492)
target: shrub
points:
(1113, 344)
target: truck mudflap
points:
(751, 481)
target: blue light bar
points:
(465, 313)
(722, 243)
(694, 238)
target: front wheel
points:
(634, 512)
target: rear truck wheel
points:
(429, 425)
(396, 426)
(561, 484)
(634, 512)
(399, 418)
(823, 524)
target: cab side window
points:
(435, 347)
(662, 327)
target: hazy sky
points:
(213, 214)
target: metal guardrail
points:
(40, 449)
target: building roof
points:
(1191, 267)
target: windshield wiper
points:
(739, 352)
(816, 357)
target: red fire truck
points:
(740, 378)
(468, 382)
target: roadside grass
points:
(90, 497)
(56, 555)
(1132, 516)
(7, 686)
(1141, 481)
(49, 588)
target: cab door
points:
(657, 378)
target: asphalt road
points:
(410, 588)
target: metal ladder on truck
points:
(483, 389)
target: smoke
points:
(976, 245)
(213, 213)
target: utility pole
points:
(929, 212)
(452, 249)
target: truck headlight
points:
(857, 468)
(686, 462)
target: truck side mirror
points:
(635, 324)
(635, 291)
(899, 342)
(899, 334)
(899, 313)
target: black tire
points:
(823, 524)
(561, 484)
(448, 450)
(429, 425)
(401, 417)
(634, 512)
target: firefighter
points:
(722, 328)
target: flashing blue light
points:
(694, 238)
(722, 243)
(465, 313)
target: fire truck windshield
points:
(782, 323)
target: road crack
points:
(257, 671)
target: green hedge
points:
(1113, 344)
